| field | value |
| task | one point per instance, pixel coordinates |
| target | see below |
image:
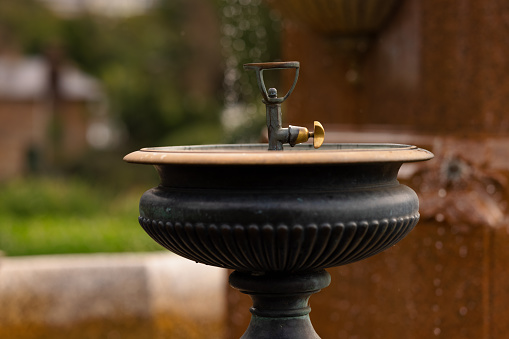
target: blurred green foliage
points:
(50, 215)
(27, 24)
(142, 60)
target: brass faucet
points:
(277, 135)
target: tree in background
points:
(143, 63)
(27, 26)
(162, 70)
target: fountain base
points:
(279, 218)
(280, 303)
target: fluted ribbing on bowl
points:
(267, 247)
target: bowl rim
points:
(257, 154)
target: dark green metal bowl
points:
(245, 208)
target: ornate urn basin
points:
(279, 218)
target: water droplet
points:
(439, 217)
(439, 245)
(352, 76)
(275, 15)
(255, 53)
(344, 304)
(463, 310)
(442, 193)
(463, 251)
(355, 310)
(394, 319)
(228, 11)
(491, 189)
(375, 278)
(244, 25)
(437, 331)
(239, 45)
(228, 29)
(437, 282)
(260, 32)
(225, 41)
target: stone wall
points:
(157, 295)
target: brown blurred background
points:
(84, 82)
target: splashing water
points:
(248, 31)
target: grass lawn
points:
(57, 215)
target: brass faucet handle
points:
(318, 134)
(297, 135)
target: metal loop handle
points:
(261, 66)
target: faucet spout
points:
(277, 134)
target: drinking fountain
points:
(279, 217)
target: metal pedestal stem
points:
(280, 303)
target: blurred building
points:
(109, 8)
(45, 111)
